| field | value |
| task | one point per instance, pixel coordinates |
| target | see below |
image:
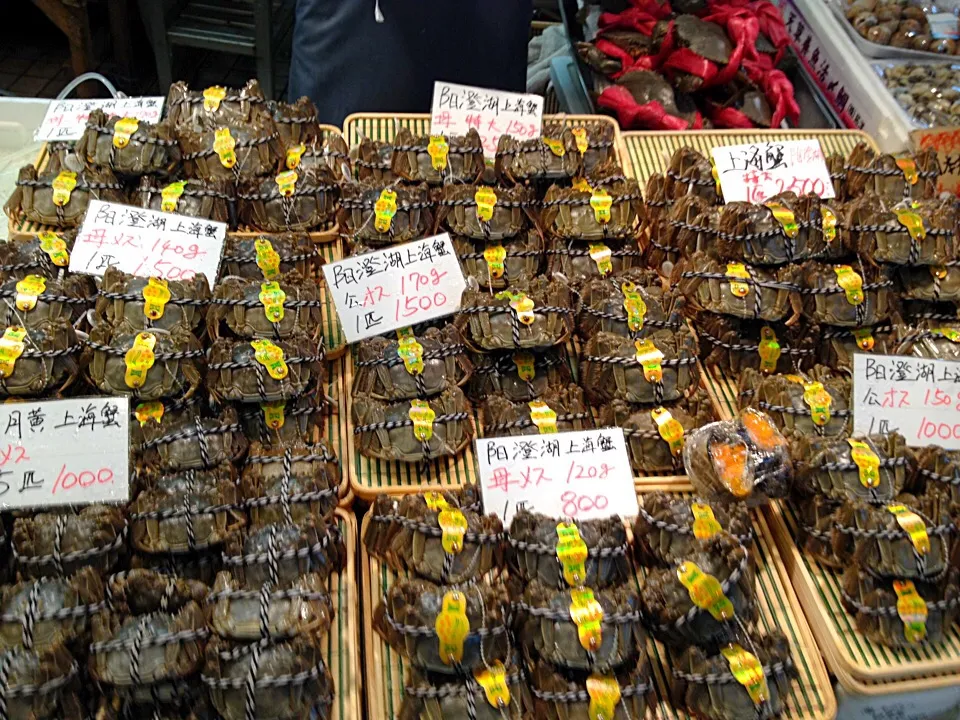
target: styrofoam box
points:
(19, 118)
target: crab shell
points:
(688, 225)
(600, 143)
(518, 161)
(92, 528)
(357, 218)
(168, 377)
(22, 255)
(417, 603)
(176, 492)
(706, 39)
(568, 212)
(939, 470)
(573, 259)
(426, 697)
(867, 171)
(839, 345)
(33, 198)
(734, 345)
(176, 702)
(503, 417)
(263, 207)
(312, 697)
(557, 697)
(296, 251)
(331, 153)
(817, 517)
(770, 393)
(257, 150)
(28, 670)
(457, 211)
(302, 423)
(497, 373)
(210, 200)
(265, 476)
(84, 588)
(35, 375)
(921, 283)
(893, 244)
(533, 550)
(185, 107)
(131, 312)
(380, 372)
(399, 443)
(183, 440)
(250, 382)
(602, 305)
(296, 122)
(151, 149)
(690, 173)
(251, 321)
(413, 163)
(47, 305)
(524, 251)
(664, 530)
(372, 161)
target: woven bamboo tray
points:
(342, 653)
(811, 696)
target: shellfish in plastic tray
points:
(929, 93)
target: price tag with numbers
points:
(67, 119)
(757, 171)
(396, 287)
(492, 113)
(579, 475)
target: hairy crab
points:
(60, 197)
(139, 303)
(735, 345)
(543, 158)
(592, 213)
(232, 153)
(518, 376)
(267, 256)
(631, 304)
(485, 213)
(557, 410)
(496, 264)
(912, 177)
(40, 359)
(207, 199)
(214, 106)
(287, 484)
(293, 200)
(437, 159)
(264, 371)
(128, 146)
(385, 214)
(816, 403)
(286, 306)
(60, 543)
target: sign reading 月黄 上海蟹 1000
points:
(64, 452)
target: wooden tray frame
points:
(342, 654)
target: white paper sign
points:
(64, 452)
(580, 475)
(492, 113)
(399, 286)
(756, 171)
(147, 243)
(67, 119)
(920, 399)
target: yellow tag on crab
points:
(587, 615)
(738, 270)
(572, 554)
(705, 591)
(272, 297)
(522, 305)
(63, 184)
(819, 401)
(864, 338)
(435, 501)
(669, 428)
(526, 365)
(716, 178)
(602, 255)
(273, 414)
(268, 259)
(604, 694)
(556, 146)
(909, 169)
(785, 217)
(582, 185)
(147, 411)
(601, 202)
(271, 357)
(650, 359)
(705, 523)
(156, 295)
(123, 130)
(951, 334)
(495, 255)
(422, 416)
(170, 195)
(850, 282)
(224, 146)
(634, 306)
(410, 351)
(913, 525)
(748, 672)
(294, 155)
(384, 210)
(139, 359)
(543, 417)
(828, 223)
(912, 222)
(212, 97)
(55, 247)
(867, 462)
(453, 525)
(452, 627)
(580, 135)
(437, 149)
(938, 271)
(493, 680)
(485, 198)
(287, 182)
(769, 350)
(11, 348)
(28, 290)
(912, 611)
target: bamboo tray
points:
(811, 696)
(342, 653)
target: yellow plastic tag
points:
(748, 672)
(669, 428)
(650, 359)
(522, 305)
(769, 350)
(716, 177)
(705, 523)
(909, 168)
(268, 259)
(601, 202)
(493, 680)
(452, 627)
(435, 501)
(293, 156)
(11, 348)
(271, 357)
(951, 334)
(819, 401)
(705, 591)
(147, 411)
(582, 185)
(785, 217)
(156, 295)
(867, 462)
(272, 297)
(526, 365)
(453, 525)
(287, 182)
(495, 256)
(580, 135)
(28, 289)
(63, 184)
(828, 224)
(55, 247)
(912, 611)
(938, 271)
(634, 306)
(437, 149)
(422, 416)
(543, 417)
(913, 525)
(738, 270)
(864, 338)
(587, 615)
(601, 255)
(273, 414)
(123, 129)
(212, 97)
(410, 351)
(912, 222)
(224, 146)
(384, 210)
(556, 146)
(170, 195)
(485, 198)
(139, 359)
(730, 462)
(572, 553)
(604, 693)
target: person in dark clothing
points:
(384, 55)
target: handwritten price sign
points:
(67, 119)
(757, 171)
(492, 113)
(147, 243)
(580, 475)
(396, 287)
(920, 399)
(64, 452)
